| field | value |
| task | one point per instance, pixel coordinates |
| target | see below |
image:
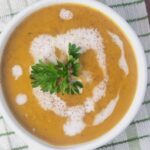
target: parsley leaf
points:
(60, 77)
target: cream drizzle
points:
(106, 112)
(122, 61)
(43, 47)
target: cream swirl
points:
(43, 47)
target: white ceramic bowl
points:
(37, 143)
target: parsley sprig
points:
(60, 77)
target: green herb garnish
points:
(60, 77)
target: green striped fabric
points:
(137, 135)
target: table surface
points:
(148, 8)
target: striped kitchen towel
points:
(137, 135)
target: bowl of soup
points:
(100, 92)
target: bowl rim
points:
(141, 83)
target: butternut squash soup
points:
(70, 74)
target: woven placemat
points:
(137, 135)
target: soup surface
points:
(108, 72)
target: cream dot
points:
(21, 99)
(65, 14)
(17, 71)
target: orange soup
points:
(108, 73)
